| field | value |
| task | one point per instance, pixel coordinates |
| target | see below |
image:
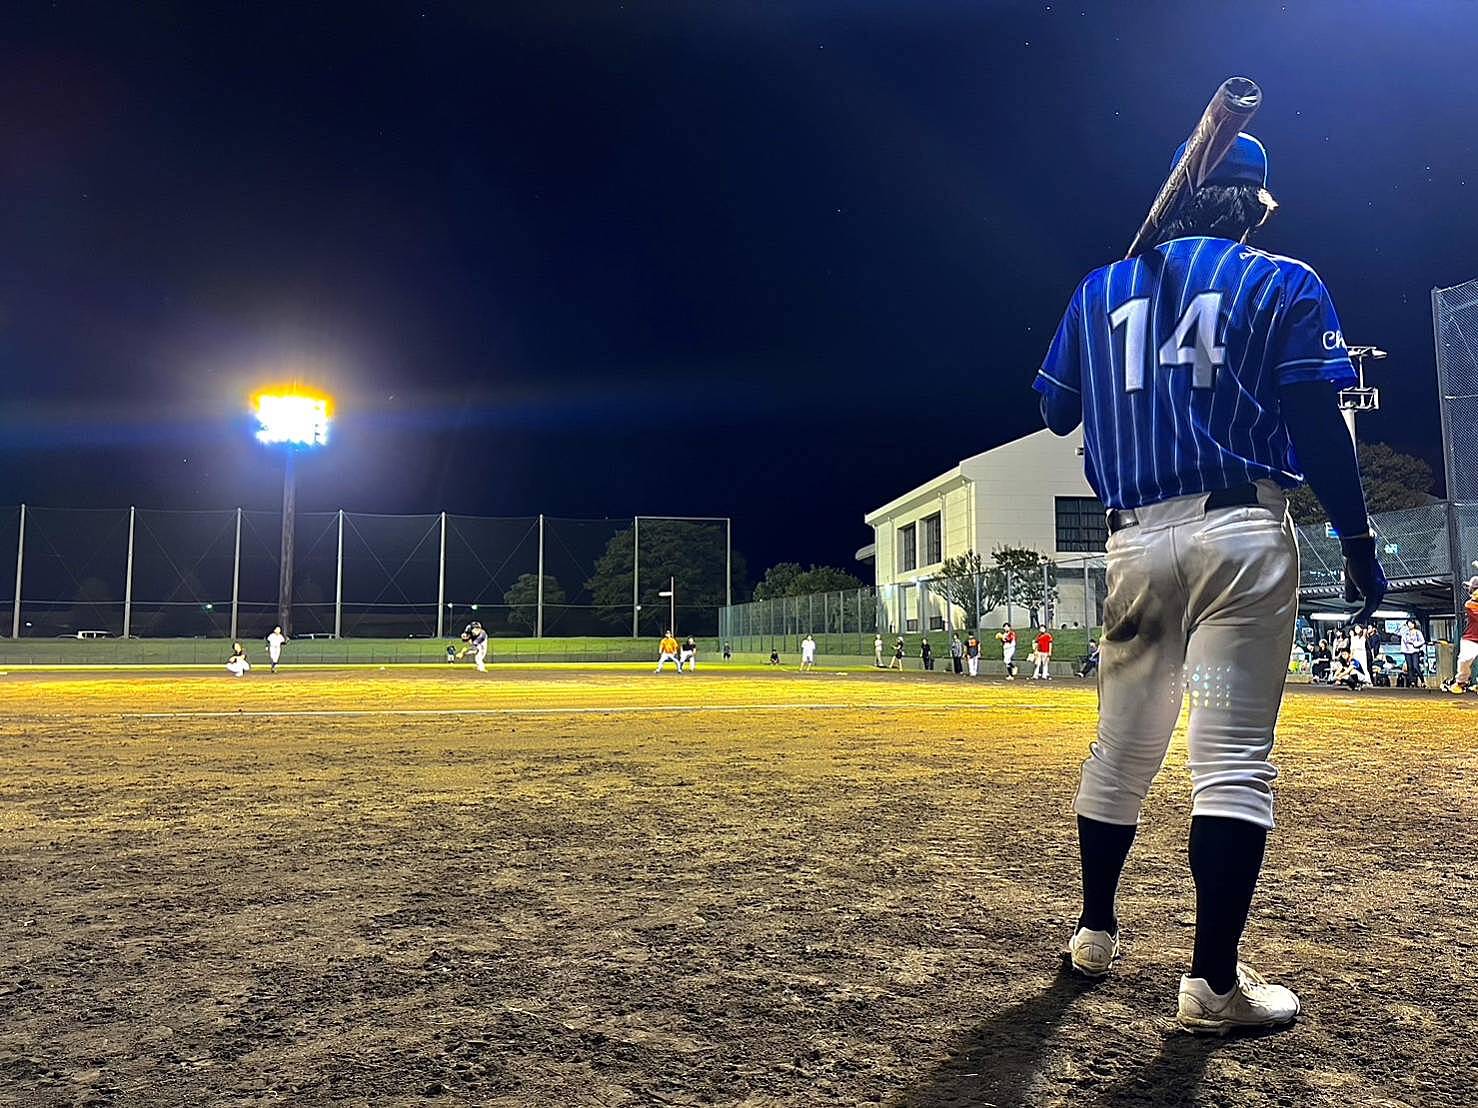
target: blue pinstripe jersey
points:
(1176, 357)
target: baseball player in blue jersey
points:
(1205, 374)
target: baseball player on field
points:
(667, 651)
(274, 647)
(477, 645)
(1205, 374)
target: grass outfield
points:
(743, 888)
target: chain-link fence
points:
(206, 574)
(1455, 330)
(1067, 594)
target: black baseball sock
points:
(1226, 855)
(1103, 848)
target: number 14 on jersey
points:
(1192, 341)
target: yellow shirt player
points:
(667, 652)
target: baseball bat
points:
(1235, 102)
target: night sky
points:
(780, 261)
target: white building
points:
(1027, 493)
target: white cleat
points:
(1092, 953)
(1252, 1002)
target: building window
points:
(1081, 524)
(936, 623)
(933, 550)
(908, 548)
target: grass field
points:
(741, 888)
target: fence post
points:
(1088, 605)
(441, 582)
(1046, 597)
(635, 574)
(1008, 597)
(539, 608)
(236, 577)
(339, 582)
(20, 557)
(128, 577)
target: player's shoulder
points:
(1294, 271)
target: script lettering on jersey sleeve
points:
(1308, 343)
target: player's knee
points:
(1234, 792)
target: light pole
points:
(294, 420)
(1361, 398)
(671, 594)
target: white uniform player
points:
(688, 655)
(477, 644)
(236, 664)
(808, 653)
(274, 647)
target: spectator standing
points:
(1043, 669)
(957, 654)
(972, 654)
(1359, 647)
(1414, 646)
(926, 654)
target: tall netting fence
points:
(151, 573)
(689, 559)
(587, 578)
(74, 572)
(261, 559)
(1455, 330)
(183, 573)
(10, 526)
(489, 562)
(1412, 544)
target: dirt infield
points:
(537, 888)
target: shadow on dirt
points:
(1175, 1074)
(994, 1067)
(997, 1061)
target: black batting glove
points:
(1364, 578)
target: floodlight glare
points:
(292, 419)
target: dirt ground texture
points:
(606, 888)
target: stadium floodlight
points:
(293, 419)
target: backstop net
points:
(1455, 331)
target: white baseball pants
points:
(1467, 652)
(973, 662)
(1204, 600)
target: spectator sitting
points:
(1090, 660)
(1382, 669)
(1319, 661)
(1349, 672)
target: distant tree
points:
(691, 553)
(789, 579)
(1031, 579)
(1392, 480)
(779, 580)
(971, 584)
(522, 599)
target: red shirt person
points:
(1043, 671)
